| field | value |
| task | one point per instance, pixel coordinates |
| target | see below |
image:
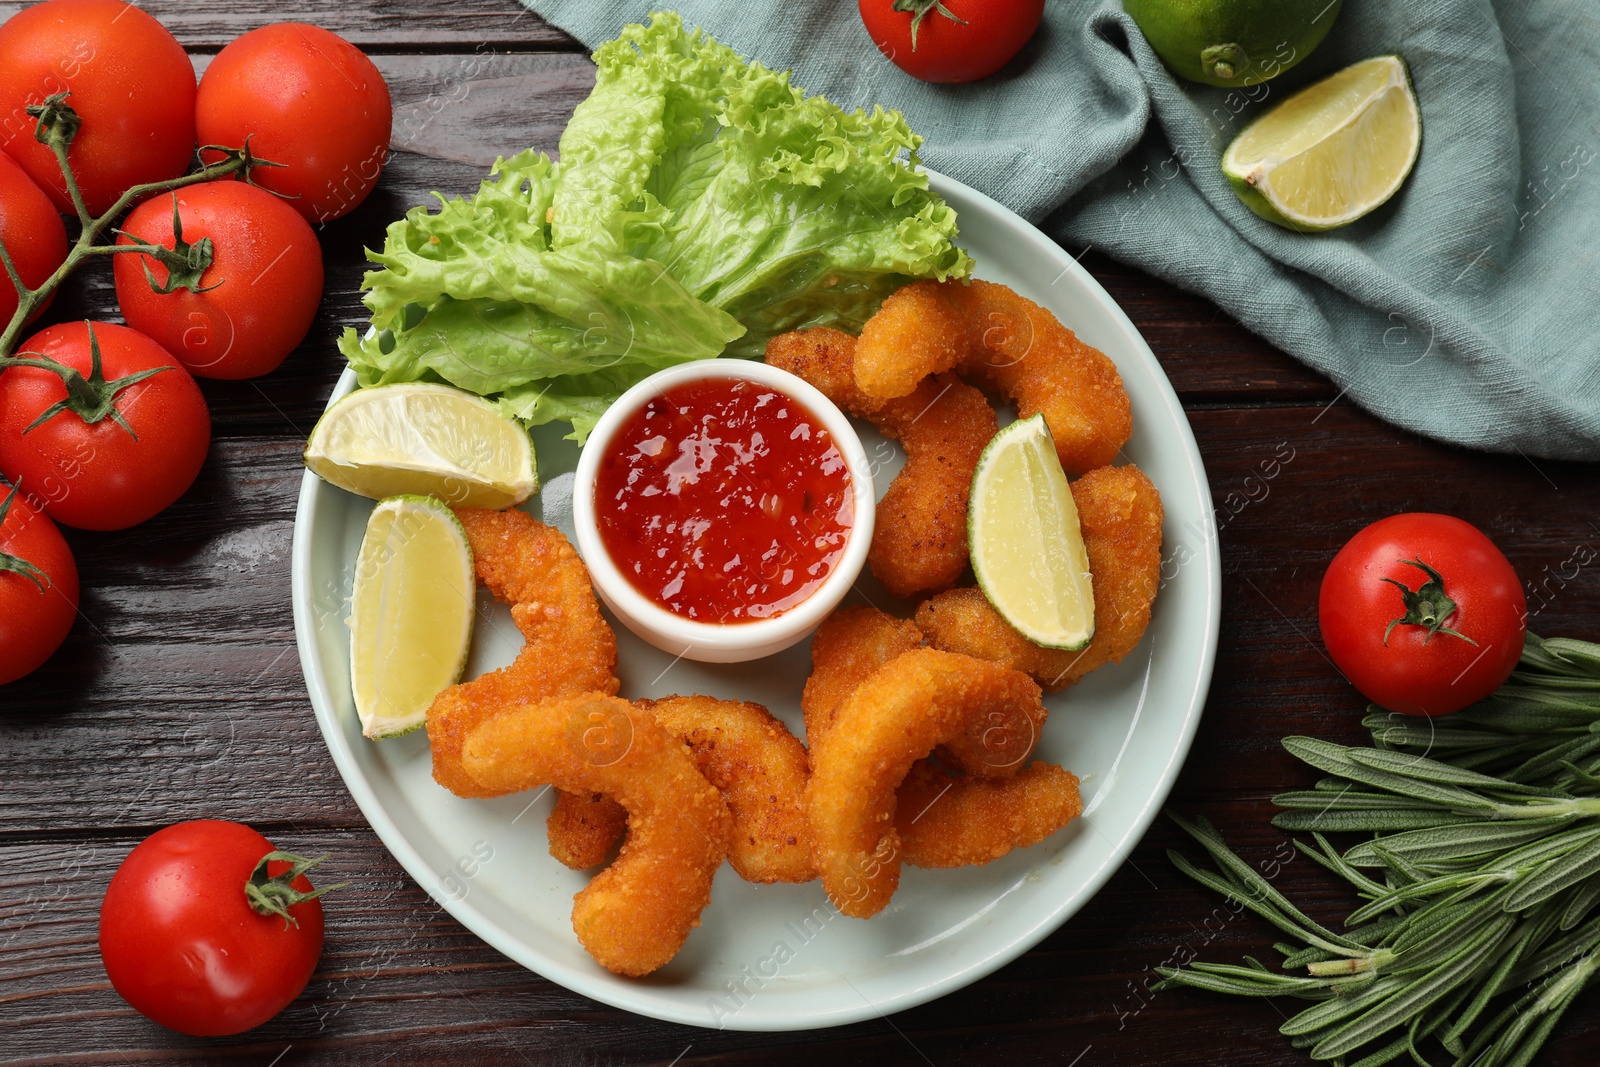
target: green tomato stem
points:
(92, 399)
(1427, 606)
(919, 10)
(276, 895)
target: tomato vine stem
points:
(57, 125)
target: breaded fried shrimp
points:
(946, 820)
(569, 648)
(846, 649)
(1024, 353)
(919, 544)
(855, 641)
(745, 752)
(1000, 339)
(825, 357)
(915, 702)
(916, 333)
(1121, 514)
(636, 914)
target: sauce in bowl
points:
(724, 500)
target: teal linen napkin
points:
(1464, 309)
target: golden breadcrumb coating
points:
(916, 333)
(584, 828)
(947, 820)
(1002, 340)
(744, 751)
(1023, 352)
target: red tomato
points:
(1449, 638)
(952, 40)
(313, 102)
(38, 587)
(32, 231)
(181, 942)
(260, 292)
(131, 83)
(102, 475)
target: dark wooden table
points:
(179, 694)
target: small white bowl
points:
(721, 642)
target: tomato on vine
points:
(208, 929)
(38, 587)
(103, 425)
(1423, 614)
(240, 316)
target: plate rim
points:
(603, 988)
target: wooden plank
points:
(473, 109)
(395, 25)
(181, 670)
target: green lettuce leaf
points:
(578, 399)
(701, 206)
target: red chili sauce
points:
(724, 500)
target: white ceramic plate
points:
(780, 957)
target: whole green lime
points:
(1233, 42)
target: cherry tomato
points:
(1423, 614)
(950, 40)
(32, 230)
(139, 456)
(310, 100)
(182, 943)
(252, 306)
(38, 587)
(130, 82)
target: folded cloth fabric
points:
(1464, 309)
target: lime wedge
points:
(1331, 152)
(427, 439)
(410, 612)
(1027, 546)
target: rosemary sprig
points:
(1474, 935)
